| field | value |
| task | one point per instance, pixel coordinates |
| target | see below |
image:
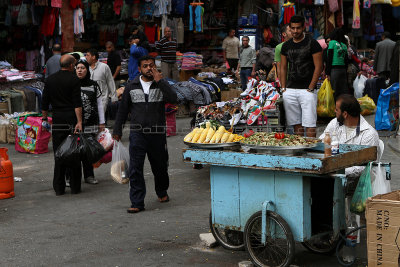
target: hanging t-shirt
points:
(56, 3)
(117, 6)
(339, 52)
(75, 3)
(300, 59)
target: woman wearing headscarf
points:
(93, 120)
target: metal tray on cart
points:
(279, 150)
(213, 146)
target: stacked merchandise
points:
(179, 58)
(258, 103)
(192, 61)
(199, 92)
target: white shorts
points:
(300, 107)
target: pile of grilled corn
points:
(210, 135)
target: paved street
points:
(93, 229)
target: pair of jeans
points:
(155, 146)
(245, 73)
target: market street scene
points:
(199, 133)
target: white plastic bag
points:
(359, 85)
(120, 163)
(105, 139)
(379, 185)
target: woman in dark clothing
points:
(93, 120)
(336, 66)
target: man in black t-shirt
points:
(304, 56)
(62, 91)
(113, 60)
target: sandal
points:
(134, 210)
(163, 199)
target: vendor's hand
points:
(253, 73)
(117, 137)
(78, 128)
(101, 127)
(328, 77)
(156, 74)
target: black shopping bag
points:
(69, 152)
(91, 149)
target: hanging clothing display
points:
(95, 10)
(180, 32)
(78, 21)
(50, 16)
(196, 13)
(75, 4)
(56, 3)
(117, 6)
(309, 17)
(288, 10)
(356, 15)
(333, 5)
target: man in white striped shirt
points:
(351, 128)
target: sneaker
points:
(91, 180)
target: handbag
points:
(31, 136)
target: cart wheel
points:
(323, 244)
(279, 247)
(229, 239)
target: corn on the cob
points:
(197, 135)
(204, 133)
(225, 137)
(210, 135)
(214, 137)
(203, 136)
(231, 137)
(219, 136)
(190, 135)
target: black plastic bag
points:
(91, 149)
(69, 151)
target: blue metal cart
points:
(266, 202)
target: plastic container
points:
(6, 175)
(327, 145)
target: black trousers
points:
(233, 63)
(63, 125)
(155, 146)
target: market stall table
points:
(269, 197)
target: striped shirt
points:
(167, 50)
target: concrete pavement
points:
(93, 229)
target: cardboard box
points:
(383, 229)
(229, 95)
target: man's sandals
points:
(163, 199)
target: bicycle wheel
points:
(325, 243)
(229, 239)
(279, 247)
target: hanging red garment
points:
(56, 3)
(117, 6)
(288, 14)
(272, 2)
(49, 21)
(150, 32)
(75, 4)
(267, 34)
(339, 15)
